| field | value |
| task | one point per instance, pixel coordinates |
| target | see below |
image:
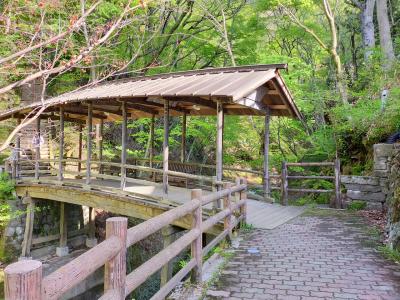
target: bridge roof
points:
(245, 90)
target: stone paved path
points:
(311, 257)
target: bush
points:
(6, 187)
(357, 205)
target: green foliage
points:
(389, 253)
(357, 205)
(246, 227)
(6, 187)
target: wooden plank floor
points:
(260, 214)
(268, 216)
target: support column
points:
(183, 141)
(18, 153)
(166, 271)
(91, 240)
(89, 142)
(165, 148)
(62, 250)
(30, 215)
(197, 244)
(61, 147)
(80, 148)
(100, 128)
(123, 144)
(151, 146)
(37, 149)
(266, 179)
(219, 147)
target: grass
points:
(357, 205)
(391, 254)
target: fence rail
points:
(23, 280)
(285, 189)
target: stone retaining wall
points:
(372, 189)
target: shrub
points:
(357, 205)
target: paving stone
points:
(311, 257)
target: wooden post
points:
(91, 240)
(89, 142)
(227, 205)
(80, 148)
(115, 269)
(284, 184)
(166, 148)
(18, 154)
(61, 146)
(219, 146)
(243, 196)
(99, 133)
(30, 215)
(37, 148)
(166, 270)
(266, 181)
(151, 154)
(62, 250)
(23, 280)
(123, 144)
(183, 139)
(338, 199)
(197, 244)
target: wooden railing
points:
(23, 279)
(286, 177)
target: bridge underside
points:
(139, 200)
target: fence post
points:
(338, 200)
(214, 188)
(23, 280)
(243, 196)
(115, 269)
(227, 204)
(284, 184)
(197, 244)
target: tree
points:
(385, 36)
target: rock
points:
(218, 294)
(383, 150)
(366, 196)
(363, 187)
(10, 231)
(19, 230)
(359, 180)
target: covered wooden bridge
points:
(143, 189)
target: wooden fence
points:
(286, 177)
(23, 279)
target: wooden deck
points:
(260, 214)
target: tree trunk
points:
(367, 27)
(384, 33)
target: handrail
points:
(112, 252)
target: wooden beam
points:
(197, 244)
(219, 144)
(80, 147)
(273, 92)
(89, 143)
(123, 144)
(75, 110)
(100, 144)
(61, 146)
(151, 146)
(277, 106)
(30, 216)
(37, 148)
(142, 108)
(165, 148)
(183, 139)
(63, 225)
(266, 181)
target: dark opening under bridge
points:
(137, 190)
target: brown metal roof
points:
(246, 90)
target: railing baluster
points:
(227, 204)
(115, 269)
(197, 244)
(243, 196)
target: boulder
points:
(345, 179)
(383, 150)
(366, 196)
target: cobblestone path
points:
(311, 257)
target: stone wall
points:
(374, 189)
(393, 199)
